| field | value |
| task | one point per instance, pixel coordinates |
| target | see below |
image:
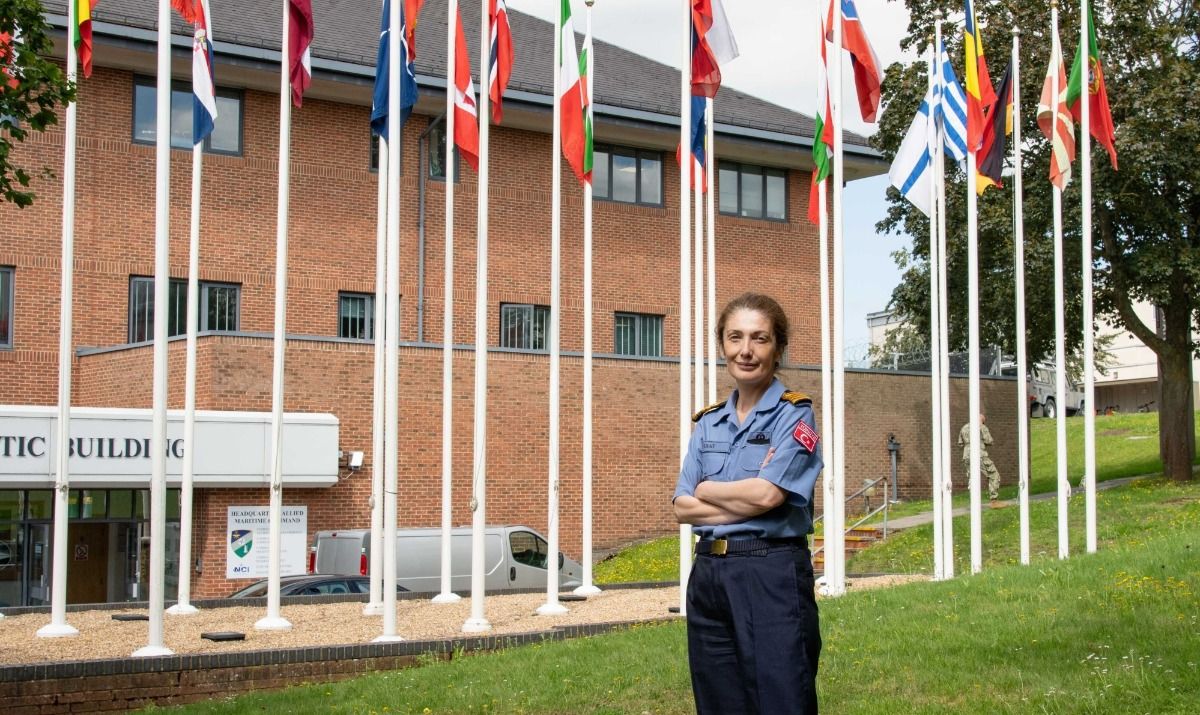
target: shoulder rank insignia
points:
(796, 398)
(714, 406)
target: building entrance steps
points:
(857, 539)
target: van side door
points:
(529, 552)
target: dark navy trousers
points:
(753, 634)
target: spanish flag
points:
(83, 33)
(980, 95)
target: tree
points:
(31, 89)
(1146, 217)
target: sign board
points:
(248, 541)
(111, 448)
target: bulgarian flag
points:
(572, 99)
(83, 33)
(1100, 116)
(822, 135)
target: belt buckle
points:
(719, 547)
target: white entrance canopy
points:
(110, 447)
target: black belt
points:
(727, 547)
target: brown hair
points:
(769, 308)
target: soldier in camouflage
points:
(985, 462)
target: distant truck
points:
(514, 557)
(1042, 393)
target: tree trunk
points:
(1176, 419)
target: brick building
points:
(764, 153)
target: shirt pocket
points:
(712, 458)
(752, 456)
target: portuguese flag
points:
(83, 33)
(1099, 115)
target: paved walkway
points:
(906, 522)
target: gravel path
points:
(331, 624)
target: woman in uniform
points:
(747, 488)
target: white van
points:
(514, 558)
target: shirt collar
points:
(768, 401)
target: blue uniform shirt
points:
(723, 450)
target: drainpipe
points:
(421, 145)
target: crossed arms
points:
(717, 503)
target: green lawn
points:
(1113, 632)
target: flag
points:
(713, 45)
(466, 113)
(1055, 120)
(999, 126)
(867, 77)
(572, 98)
(585, 63)
(408, 77)
(204, 93)
(412, 10)
(501, 53)
(83, 33)
(699, 137)
(822, 133)
(911, 171)
(980, 94)
(300, 36)
(1100, 116)
(952, 109)
(8, 78)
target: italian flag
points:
(83, 33)
(572, 99)
(822, 135)
(1099, 114)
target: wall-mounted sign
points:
(248, 541)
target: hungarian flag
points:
(822, 134)
(999, 126)
(501, 53)
(466, 114)
(1099, 115)
(980, 94)
(83, 33)
(713, 45)
(572, 99)
(1055, 120)
(204, 95)
(867, 77)
(300, 36)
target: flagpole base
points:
(448, 597)
(57, 630)
(552, 608)
(387, 639)
(588, 589)
(273, 623)
(182, 609)
(152, 651)
(373, 609)
(476, 625)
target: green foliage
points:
(32, 105)
(656, 560)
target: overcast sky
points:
(777, 41)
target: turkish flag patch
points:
(806, 436)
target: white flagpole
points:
(973, 400)
(835, 537)
(711, 255)
(944, 335)
(162, 281)
(935, 377)
(446, 595)
(274, 621)
(826, 339)
(391, 347)
(1060, 373)
(698, 292)
(552, 607)
(685, 293)
(58, 626)
(1019, 249)
(477, 622)
(587, 588)
(374, 606)
(1089, 358)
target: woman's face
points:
(750, 347)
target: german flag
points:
(999, 126)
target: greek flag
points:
(912, 169)
(952, 108)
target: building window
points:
(356, 316)
(219, 308)
(375, 149)
(437, 153)
(524, 326)
(752, 191)
(632, 176)
(226, 137)
(6, 307)
(637, 334)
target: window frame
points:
(639, 320)
(368, 315)
(433, 130)
(638, 155)
(766, 171)
(223, 92)
(204, 288)
(8, 295)
(180, 284)
(534, 309)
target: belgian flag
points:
(999, 126)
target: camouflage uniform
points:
(985, 462)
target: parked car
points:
(514, 557)
(310, 585)
(1042, 384)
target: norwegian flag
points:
(501, 57)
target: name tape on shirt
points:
(806, 436)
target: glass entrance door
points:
(38, 564)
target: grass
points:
(654, 560)
(1112, 632)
